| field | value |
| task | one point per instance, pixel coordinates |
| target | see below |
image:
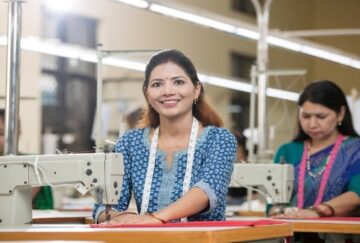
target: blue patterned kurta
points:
(344, 175)
(214, 155)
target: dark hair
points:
(201, 109)
(2, 114)
(328, 94)
(134, 117)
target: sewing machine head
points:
(275, 181)
(100, 174)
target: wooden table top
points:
(326, 226)
(336, 225)
(341, 226)
(148, 235)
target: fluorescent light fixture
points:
(136, 66)
(355, 63)
(284, 43)
(313, 51)
(287, 95)
(59, 5)
(225, 83)
(246, 87)
(135, 3)
(51, 48)
(89, 55)
(251, 34)
(75, 52)
(296, 45)
(195, 18)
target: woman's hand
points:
(296, 213)
(134, 219)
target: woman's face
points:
(318, 121)
(170, 91)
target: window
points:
(68, 87)
(240, 101)
(244, 6)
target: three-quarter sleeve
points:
(217, 168)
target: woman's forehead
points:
(309, 107)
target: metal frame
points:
(262, 14)
(259, 81)
(320, 32)
(13, 77)
(101, 54)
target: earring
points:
(195, 101)
(339, 123)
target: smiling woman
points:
(171, 92)
(325, 154)
(178, 164)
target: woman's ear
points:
(145, 94)
(341, 114)
(198, 87)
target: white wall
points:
(29, 107)
(124, 27)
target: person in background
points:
(237, 195)
(42, 196)
(133, 118)
(179, 163)
(325, 154)
(242, 152)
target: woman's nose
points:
(168, 88)
(313, 122)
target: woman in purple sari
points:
(325, 154)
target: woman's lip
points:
(169, 103)
(164, 101)
(314, 133)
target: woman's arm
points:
(342, 205)
(193, 202)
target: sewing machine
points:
(274, 181)
(98, 173)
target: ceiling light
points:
(328, 55)
(284, 43)
(136, 66)
(297, 45)
(226, 83)
(287, 95)
(251, 34)
(195, 18)
(59, 5)
(135, 3)
(75, 52)
(355, 63)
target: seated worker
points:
(179, 164)
(134, 117)
(325, 154)
(237, 195)
(42, 196)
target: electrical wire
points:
(266, 196)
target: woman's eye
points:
(155, 84)
(179, 81)
(305, 116)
